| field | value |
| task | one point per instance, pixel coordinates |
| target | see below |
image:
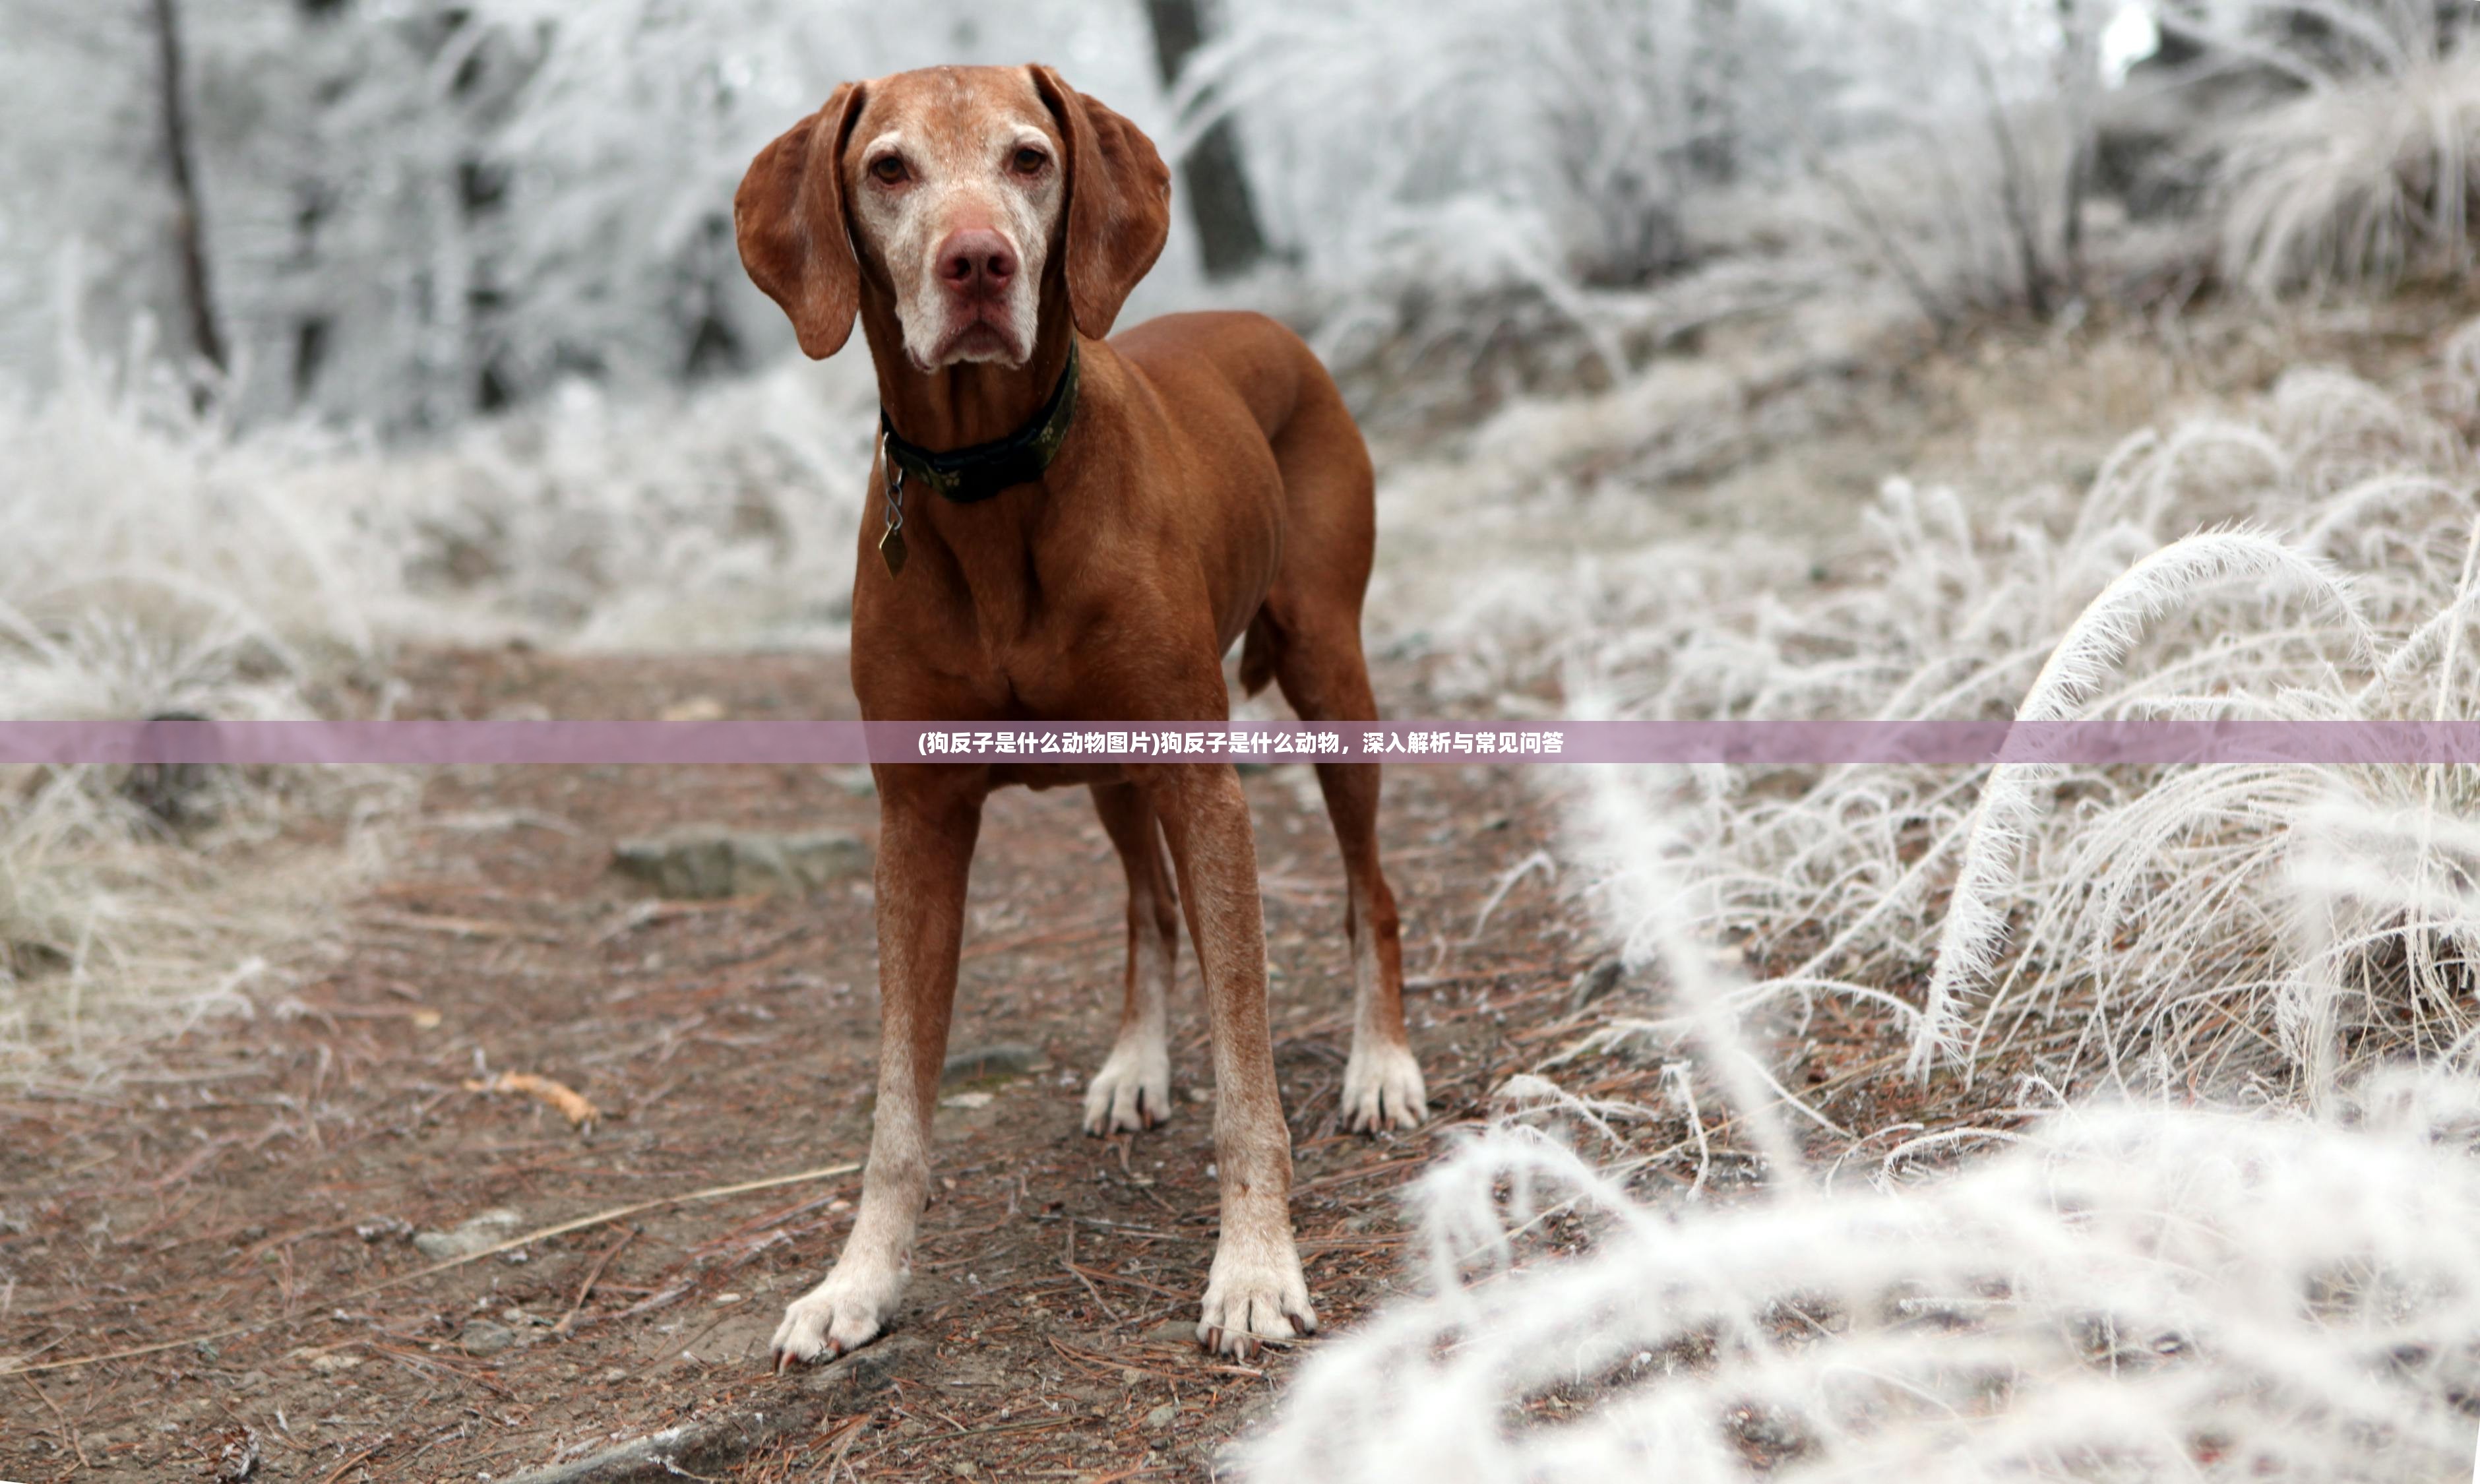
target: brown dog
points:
(1138, 505)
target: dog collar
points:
(976, 472)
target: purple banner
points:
(1758, 744)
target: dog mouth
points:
(980, 332)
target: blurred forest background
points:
(1751, 358)
(400, 214)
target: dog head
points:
(956, 192)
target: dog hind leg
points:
(1326, 679)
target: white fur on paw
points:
(1382, 1089)
(1132, 1092)
(1254, 1297)
(838, 1316)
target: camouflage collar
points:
(977, 472)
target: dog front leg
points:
(1132, 1090)
(928, 819)
(1255, 1289)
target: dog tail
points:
(1257, 656)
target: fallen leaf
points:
(697, 708)
(572, 1104)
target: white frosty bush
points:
(2366, 173)
(159, 562)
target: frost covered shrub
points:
(158, 562)
(723, 517)
(162, 561)
(2367, 173)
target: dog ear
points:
(788, 216)
(1119, 203)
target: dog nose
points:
(976, 263)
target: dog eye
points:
(890, 169)
(1029, 161)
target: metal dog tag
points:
(890, 546)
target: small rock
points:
(968, 1100)
(482, 1337)
(331, 1364)
(706, 863)
(1000, 1059)
(1173, 1332)
(1162, 1417)
(486, 1231)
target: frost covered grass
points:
(2186, 1193)
(162, 562)
(2124, 1294)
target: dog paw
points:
(839, 1316)
(1249, 1301)
(1382, 1089)
(1132, 1093)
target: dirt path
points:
(267, 1170)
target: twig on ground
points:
(69, 1428)
(1106, 1276)
(362, 1457)
(588, 1287)
(1067, 1261)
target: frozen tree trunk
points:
(1712, 93)
(2079, 89)
(189, 226)
(1217, 185)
